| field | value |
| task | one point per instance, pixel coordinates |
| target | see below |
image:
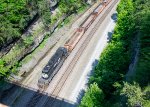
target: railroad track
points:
(64, 77)
(37, 95)
(51, 100)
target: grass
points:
(14, 52)
(41, 46)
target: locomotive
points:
(52, 66)
(62, 53)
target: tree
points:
(44, 11)
(134, 94)
(93, 97)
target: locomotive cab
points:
(45, 72)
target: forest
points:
(110, 86)
(15, 16)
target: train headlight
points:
(44, 75)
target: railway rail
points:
(64, 77)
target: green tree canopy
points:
(93, 97)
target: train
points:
(56, 61)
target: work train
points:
(62, 53)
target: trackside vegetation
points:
(108, 87)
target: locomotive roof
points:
(49, 67)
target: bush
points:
(3, 69)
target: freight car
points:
(99, 9)
(62, 53)
(70, 44)
(52, 66)
(87, 23)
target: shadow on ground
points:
(109, 36)
(95, 62)
(14, 95)
(114, 17)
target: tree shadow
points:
(13, 95)
(109, 36)
(114, 17)
(95, 62)
(80, 96)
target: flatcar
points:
(87, 23)
(99, 9)
(52, 66)
(71, 43)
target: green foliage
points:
(44, 11)
(135, 95)
(93, 97)
(67, 7)
(142, 19)
(70, 6)
(14, 18)
(3, 69)
(106, 81)
(110, 61)
(28, 40)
